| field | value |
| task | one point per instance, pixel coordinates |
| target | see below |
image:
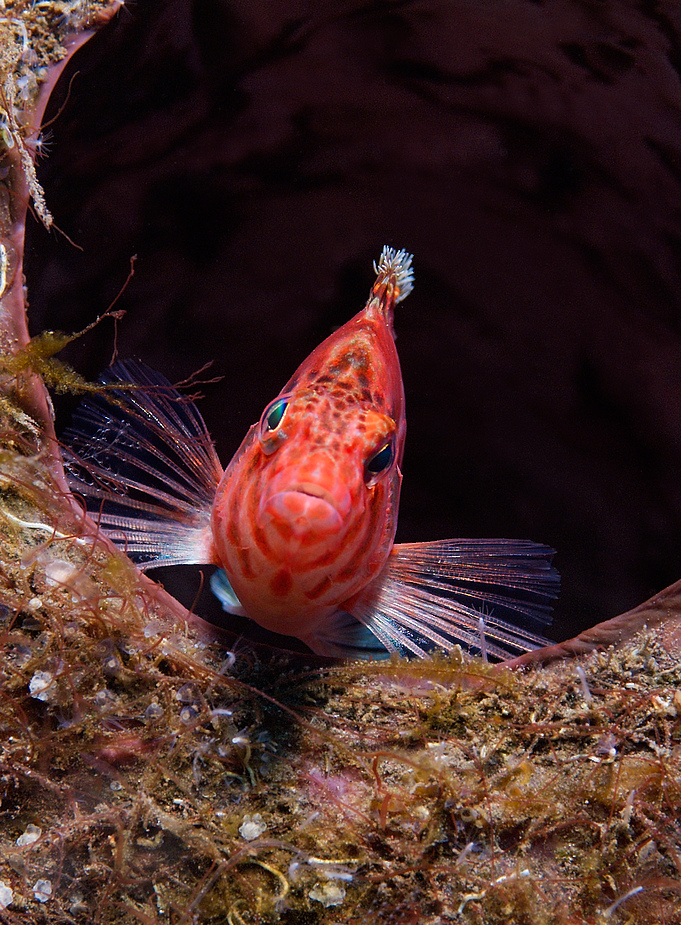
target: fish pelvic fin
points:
(484, 595)
(222, 589)
(341, 635)
(141, 457)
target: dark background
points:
(257, 156)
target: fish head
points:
(326, 465)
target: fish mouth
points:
(339, 500)
(304, 510)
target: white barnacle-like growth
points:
(4, 254)
(328, 894)
(6, 895)
(42, 890)
(252, 827)
(32, 834)
(586, 693)
(398, 262)
(41, 686)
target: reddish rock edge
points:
(661, 613)
(29, 390)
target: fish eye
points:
(274, 415)
(378, 463)
(271, 434)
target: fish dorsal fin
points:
(394, 271)
(144, 462)
(440, 594)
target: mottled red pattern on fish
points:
(317, 524)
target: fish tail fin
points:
(485, 595)
(140, 455)
(394, 279)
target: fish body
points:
(302, 521)
(306, 512)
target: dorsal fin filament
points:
(394, 279)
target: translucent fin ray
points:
(435, 595)
(144, 462)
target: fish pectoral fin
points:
(481, 594)
(222, 589)
(342, 636)
(140, 455)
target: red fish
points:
(303, 519)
